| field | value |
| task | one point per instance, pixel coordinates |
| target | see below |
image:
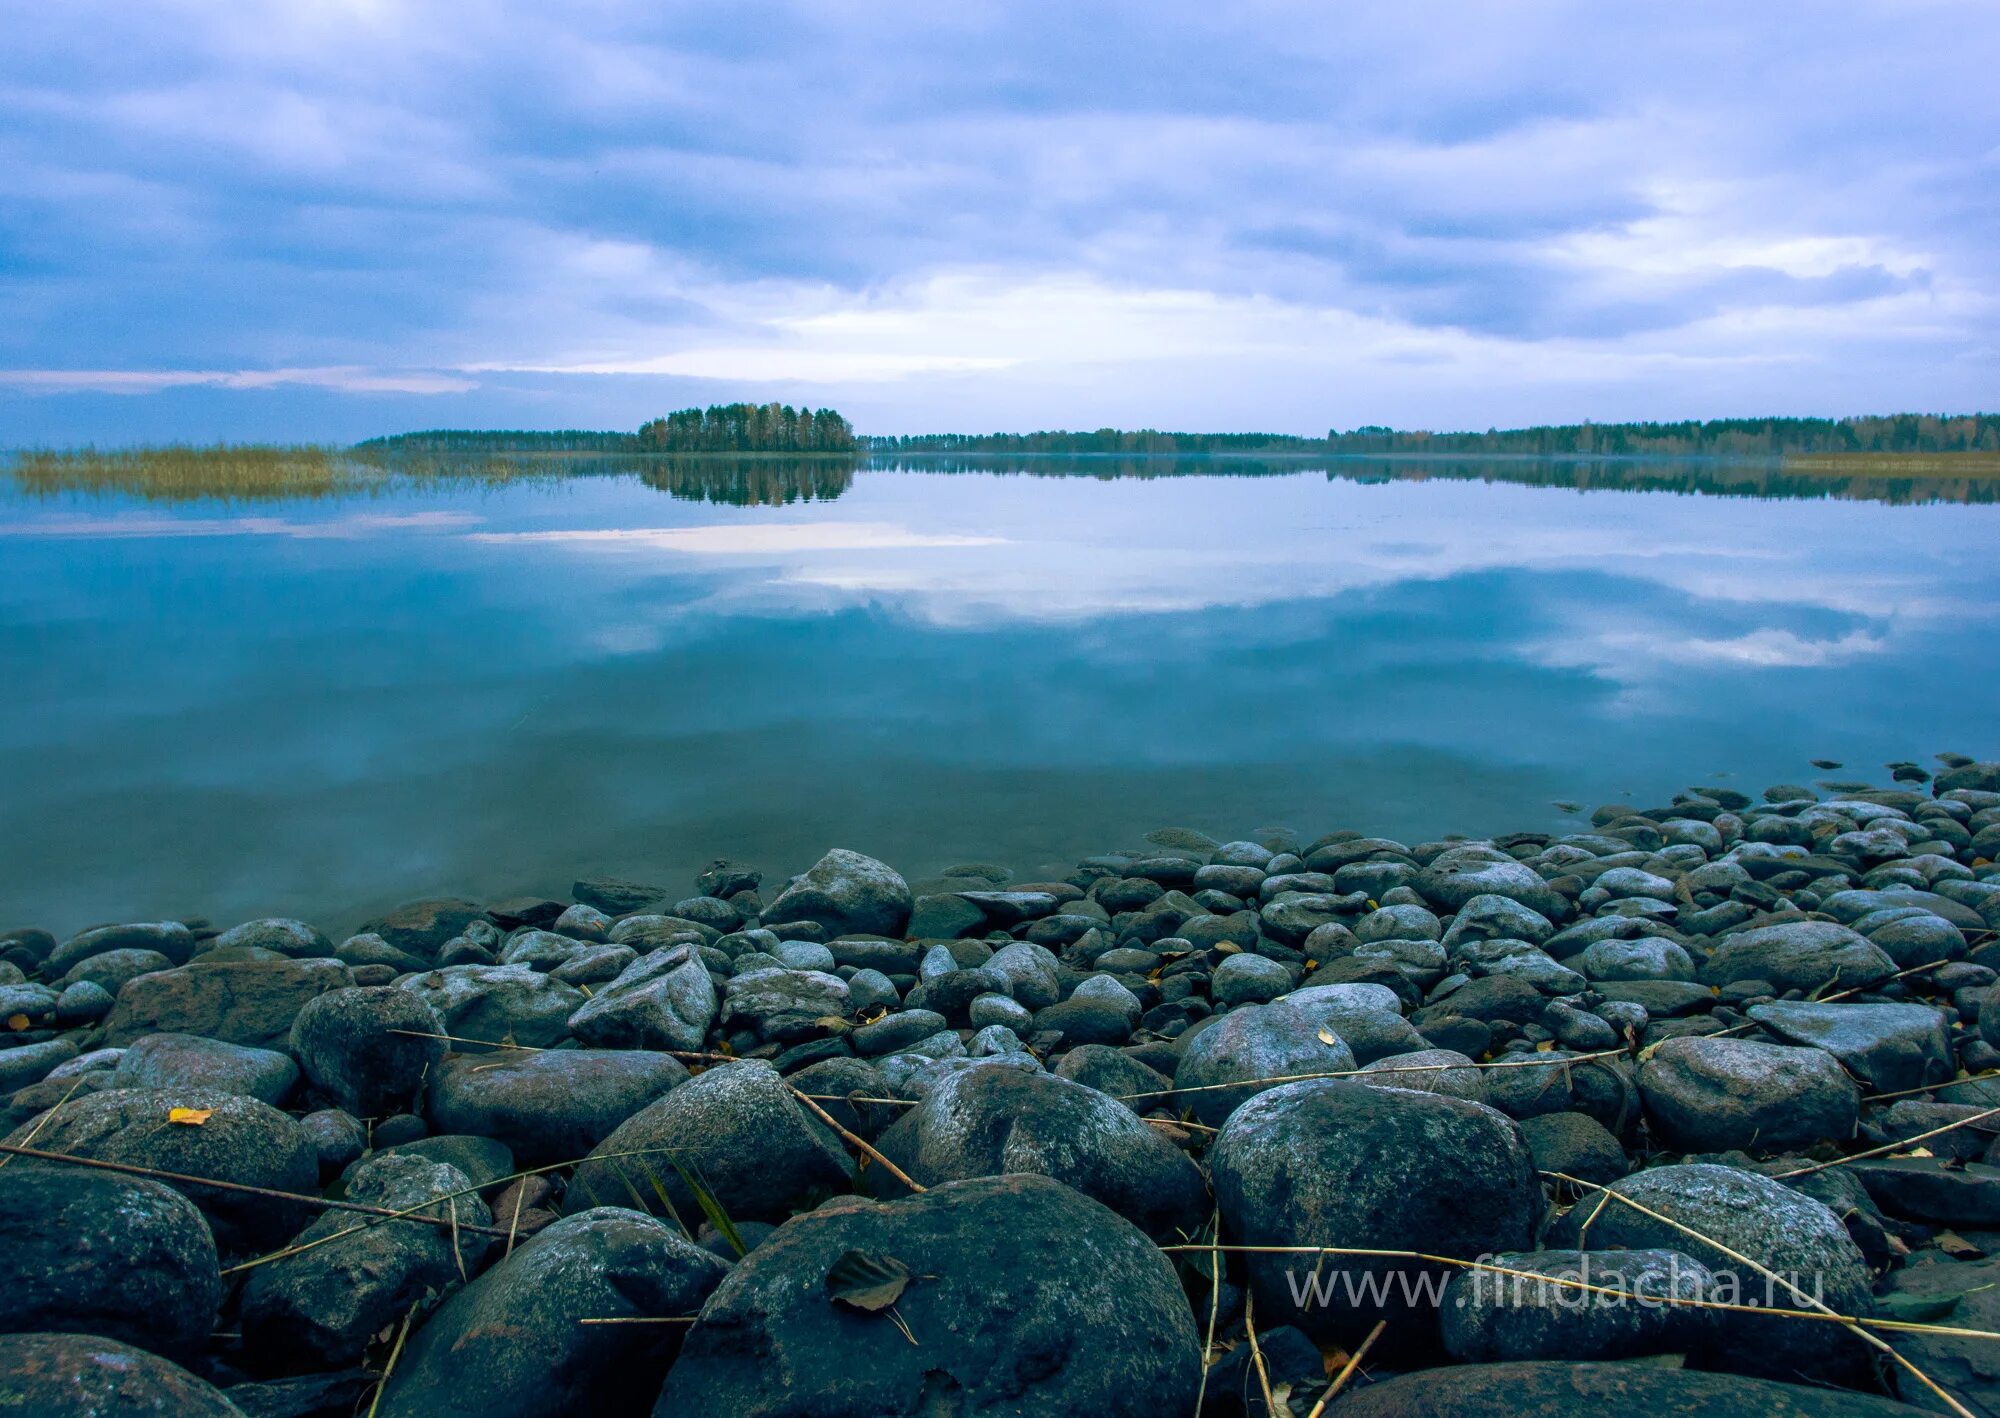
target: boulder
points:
(494, 1004)
(738, 1131)
(188, 1061)
(1458, 874)
(281, 934)
(846, 893)
(169, 938)
(87, 1376)
(1250, 1046)
(1765, 1221)
(419, 927)
(1334, 1163)
(511, 1344)
(249, 1002)
(237, 1140)
(368, 1049)
(665, 1000)
(1093, 1318)
(1889, 1047)
(552, 1106)
(355, 1276)
(1798, 955)
(99, 1253)
(1717, 1095)
(784, 1005)
(986, 1122)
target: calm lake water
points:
(318, 707)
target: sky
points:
(325, 219)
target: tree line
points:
(1886, 433)
(1103, 440)
(748, 428)
(719, 428)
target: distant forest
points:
(1104, 440)
(749, 428)
(1890, 433)
(719, 428)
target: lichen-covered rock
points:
(88, 1376)
(738, 1131)
(101, 1253)
(550, 1106)
(251, 1002)
(368, 1049)
(237, 1139)
(512, 1342)
(355, 1275)
(1329, 1162)
(1027, 1298)
(846, 893)
(987, 1122)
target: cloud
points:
(744, 539)
(786, 193)
(149, 381)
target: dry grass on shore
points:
(253, 472)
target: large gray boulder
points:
(1717, 1095)
(486, 1005)
(419, 927)
(985, 1122)
(354, 1276)
(665, 1000)
(88, 1376)
(1767, 1222)
(784, 1005)
(1890, 1047)
(512, 1342)
(105, 1254)
(551, 1106)
(1458, 874)
(169, 938)
(846, 893)
(1335, 1163)
(280, 933)
(237, 1140)
(250, 1002)
(1799, 955)
(738, 1132)
(187, 1060)
(1251, 1047)
(368, 1049)
(1026, 1298)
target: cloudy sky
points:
(330, 218)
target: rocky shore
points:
(1694, 1109)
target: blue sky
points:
(329, 218)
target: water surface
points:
(319, 705)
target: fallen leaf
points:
(1328, 1037)
(1228, 947)
(1545, 1046)
(867, 1282)
(1953, 1244)
(17, 1021)
(1919, 1152)
(833, 1023)
(190, 1117)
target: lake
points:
(321, 705)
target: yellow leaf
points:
(17, 1021)
(1919, 1152)
(189, 1117)
(1545, 1046)
(1328, 1037)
